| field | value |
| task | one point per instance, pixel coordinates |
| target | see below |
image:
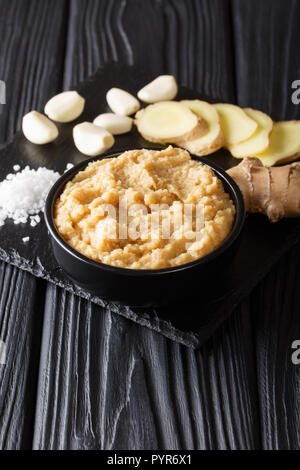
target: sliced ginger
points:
(235, 123)
(202, 128)
(213, 139)
(271, 191)
(169, 121)
(284, 145)
(258, 141)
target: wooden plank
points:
(106, 383)
(278, 297)
(169, 396)
(266, 47)
(32, 57)
(266, 44)
(191, 40)
(21, 317)
(31, 64)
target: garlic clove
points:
(114, 123)
(65, 107)
(163, 88)
(92, 140)
(38, 129)
(121, 102)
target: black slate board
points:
(261, 246)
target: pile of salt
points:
(23, 194)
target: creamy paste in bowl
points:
(145, 209)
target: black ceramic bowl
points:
(144, 287)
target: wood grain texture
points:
(266, 45)
(191, 40)
(31, 64)
(21, 317)
(104, 382)
(161, 395)
(275, 313)
(107, 383)
(266, 63)
(32, 41)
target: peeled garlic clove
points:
(114, 123)
(65, 107)
(92, 140)
(38, 129)
(121, 102)
(163, 88)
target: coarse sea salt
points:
(23, 194)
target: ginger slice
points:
(169, 121)
(274, 192)
(213, 139)
(259, 140)
(235, 123)
(284, 145)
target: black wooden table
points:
(80, 377)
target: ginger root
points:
(272, 191)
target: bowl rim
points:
(57, 189)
